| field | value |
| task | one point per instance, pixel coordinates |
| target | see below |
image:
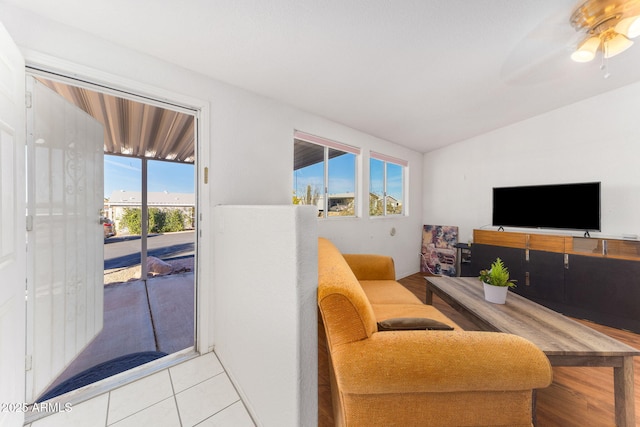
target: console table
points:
(564, 341)
(597, 279)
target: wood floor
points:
(578, 397)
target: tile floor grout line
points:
(175, 398)
(205, 380)
(239, 395)
(106, 418)
(140, 410)
(146, 407)
(221, 410)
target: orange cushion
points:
(388, 292)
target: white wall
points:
(265, 287)
(594, 140)
(259, 132)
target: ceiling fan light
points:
(616, 45)
(587, 50)
(630, 27)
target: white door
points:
(65, 238)
(12, 229)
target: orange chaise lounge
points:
(415, 377)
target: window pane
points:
(308, 174)
(394, 189)
(170, 177)
(376, 187)
(342, 183)
(123, 191)
(172, 207)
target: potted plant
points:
(496, 282)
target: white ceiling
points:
(421, 73)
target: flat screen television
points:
(558, 206)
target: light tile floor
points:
(197, 392)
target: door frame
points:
(116, 85)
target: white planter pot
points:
(495, 294)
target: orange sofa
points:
(415, 377)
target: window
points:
(386, 185)
(324, 175)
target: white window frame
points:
(327, 144)
(386, 159)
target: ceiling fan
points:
(608, 25)
(592, 28)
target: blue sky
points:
(341, 176)
(125, 173)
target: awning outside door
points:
(133, 128)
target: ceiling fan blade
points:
(543, 54)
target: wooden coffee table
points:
(564, 341)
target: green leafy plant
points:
(174, 221)
(498, 275)
(160, 221)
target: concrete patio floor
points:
(155, 317)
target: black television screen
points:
(560, 206)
